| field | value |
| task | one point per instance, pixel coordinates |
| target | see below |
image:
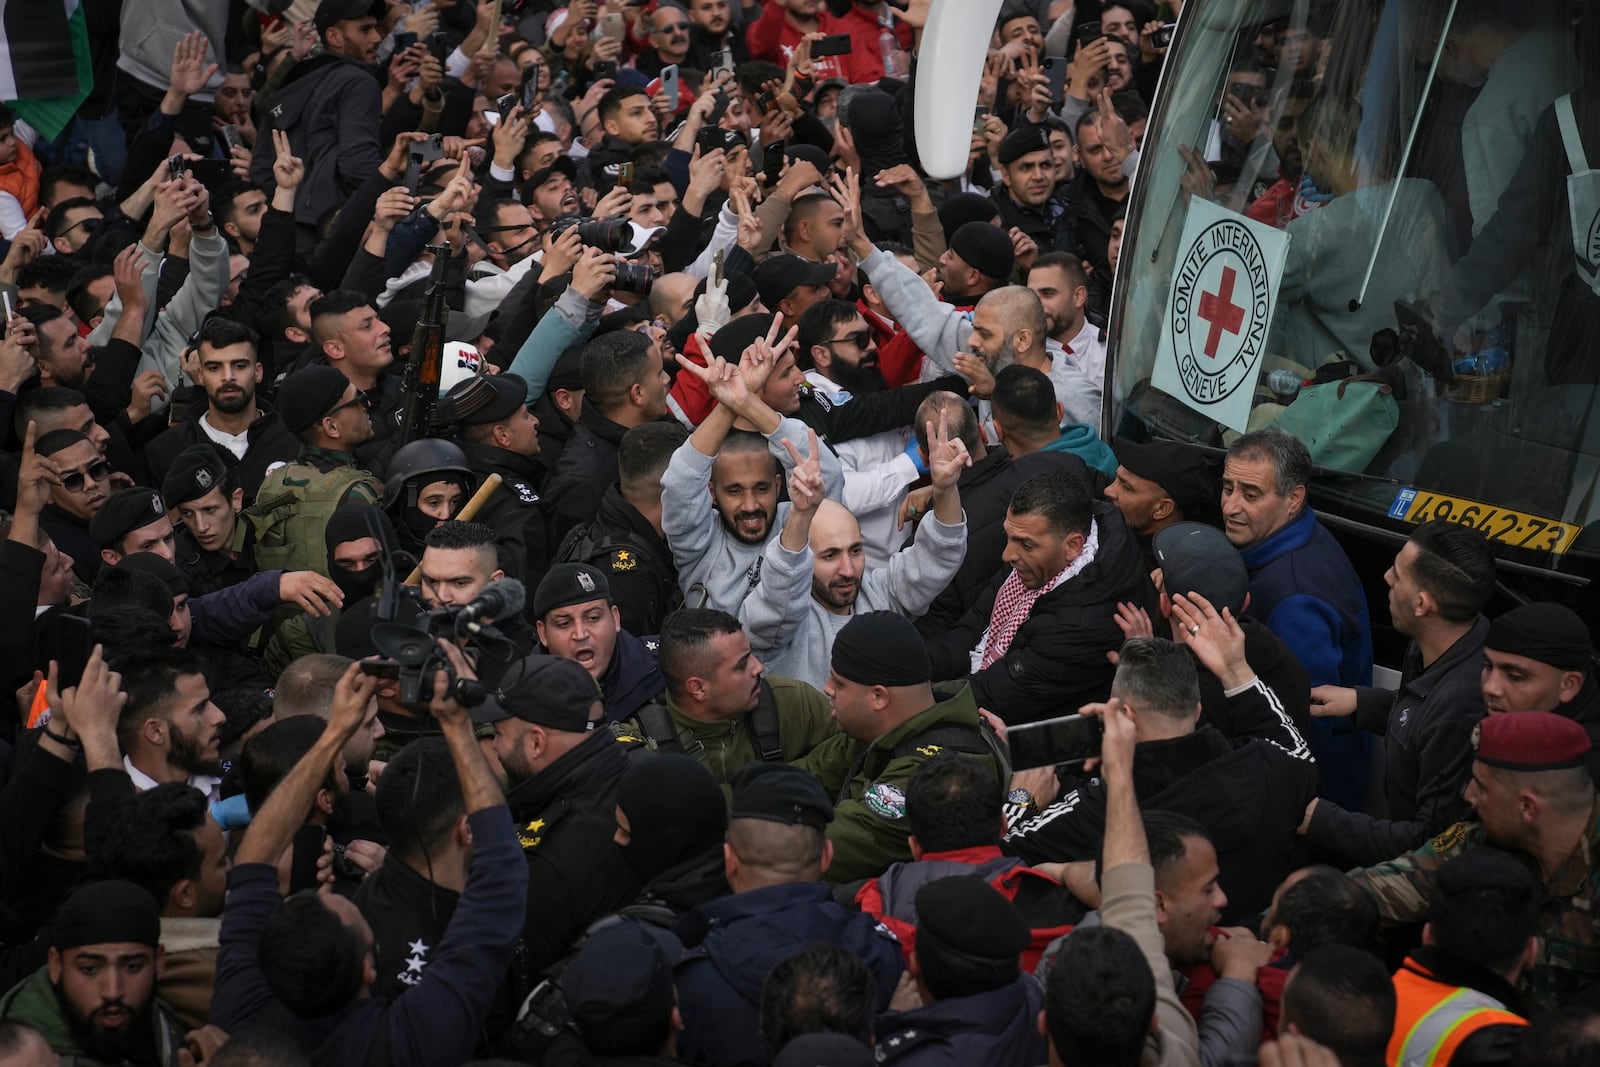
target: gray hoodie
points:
(716, 569)
(794, 636)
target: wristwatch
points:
(1022, 798)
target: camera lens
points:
(633, 278)
(608, 235)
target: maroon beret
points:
(1530, 741)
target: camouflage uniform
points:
(1569, 949)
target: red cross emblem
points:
(1221, 312)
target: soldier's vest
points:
(612, 551)
(1432, 1019)
(656, 723)
(292, 510)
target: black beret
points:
(811, 154)
(566, 584)
(1547, 632)
(881, 648)
(308, 394)
(197, 470)
(1178, 468)
(985, 247)
(545, 690)
(105, 913)
(160, 566)
(966, 913)
(483, 399)
(779, 792)
(125, 511)
(962, 208)
(1023, 141)
(731, 340)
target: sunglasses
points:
(74, 481)
(861, 339)
(676, 27)
(359, 400)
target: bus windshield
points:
(1376, 223)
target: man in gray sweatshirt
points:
(719, 494)
(802, 628)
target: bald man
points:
(842, 585)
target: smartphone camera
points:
(1162, 38)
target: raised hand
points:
(975, 371)
(711, 307)
(35, 475)
(28, 245)
(757, 362)
(561, 253)
(393, 205)
(847, 191)
(146, 388)
(91, 708)
(947, 455)
(316, 595)
(806, 489)
(595, 273)
(1215, 637)
(127, 273)
(510, 135)
(190, 71)
(288, 170)
(18, 348)
(1133, 620)
(351, 695)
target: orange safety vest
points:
(1432, 1019)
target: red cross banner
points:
(1224, 291)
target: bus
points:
(1376, 224)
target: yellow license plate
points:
(1516, 528)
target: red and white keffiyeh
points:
(1014, 601)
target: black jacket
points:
(269, 443)
(1427, 727)
(587, 466)
(1275, 665)
(210, 571)
(1050, 224)
(636, 559)
(986, 489)
(1584, 709)
(868, 413)
(409, 916)
(555, 430)
(566, 820)
(513, 511)
(1088, 213)
(331, 107)
(1249, 795)
(1057, 660)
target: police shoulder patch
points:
(886, 800)
(623, 560)
(1449, 838)
(531, 835)
(525, 492)
(898, 1044)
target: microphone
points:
(498, 600)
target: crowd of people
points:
(682, 684)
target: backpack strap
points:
(655, 722)
(762, 726)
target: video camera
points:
(411, 652)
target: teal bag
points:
(1343, 424)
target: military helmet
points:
(413, 466)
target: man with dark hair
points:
(1099, 1001)
(624, 386)
(1303, 587)
(250, 437)
(627, 122)
(72, 224)
(410, 900)
(1439, 583)
(1038, 636)
(350, 335)
(79, 489)
(95, 999)
(500, 436)
(576, 619)
(624, 538)
(240, 208)
(314, 955)
(1317, 906)
(1456, 995)
(1028, 417)
(1194, 770)
(62, 353)
(775, 858)
(168, 728)
(978, 1005)
(721, 706)
(1540, 657)
(822, 989)
(459, 560)
(954, 811)
(1342, 998)
(90, 290)
(166, 841)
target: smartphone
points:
(270, 23)
(232, 138)
(1055, 69)
(1162, 38)
(710, 139)
(530, 85)
(613, 26)
(176, 165)
(721, 61)
(624, 175)
(1087, 32)
(605, 68)
(504, 104)
(669, 82)
(835, 44)
(212, 173)
(308, 842)
(1069, 739)
(404, 40)
(75, 644)
(439, 45)
(11, 305)
(980, 116)
(1245, 93)
(718, 109)
(772, 162)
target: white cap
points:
(461, 361)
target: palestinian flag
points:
(45, 71)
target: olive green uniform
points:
(869, 828)
(1569, 948)
(805, 720)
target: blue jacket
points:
(1080, 440)
(1303, 587)
(998, 1027)
(634, 677)
(434, 1023)
(734, 941)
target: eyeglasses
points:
(861, 339)
(359, 400)
(676, 27)
(74, 481)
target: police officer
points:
(776, 856)
(562, 767)
(978, 1005)
(500, 436)
(132, 520)
(213, 547)
(881, 691)
(1531, 795)
(720, 707)
(576, 619)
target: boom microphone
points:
(500, 599)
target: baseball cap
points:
(778, 276)
(547, 691)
